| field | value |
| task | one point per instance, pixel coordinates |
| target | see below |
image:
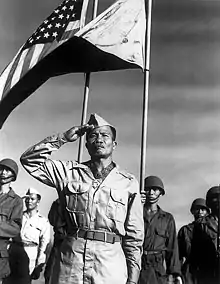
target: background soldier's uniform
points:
(27, 251)
(59, 227)
(160, 245)
(204, 250)
(11, 209)
(185, 237)
(104, 211)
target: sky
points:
(183, 132)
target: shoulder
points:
(165, 213)
(126, 174)
(15, 196)
(43, 220)
(186, 228)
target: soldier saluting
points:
(102, 206)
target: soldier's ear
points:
(114, 145)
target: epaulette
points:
(126, 174)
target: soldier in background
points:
(55, 218)
(11, 209)
(199, 210)
(205, 251)
(160, 243)
(27, 251)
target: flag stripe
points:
(37, 52)
(17, 72)
(10, 75)
(27, 60)
(4, 77)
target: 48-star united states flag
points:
(63, 44)
(61, 25)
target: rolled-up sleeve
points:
(133, 239)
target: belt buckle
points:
(105, 236)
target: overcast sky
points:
(184, 101)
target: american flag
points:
(61, 25)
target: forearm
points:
(35, 156)
(133, 240)
(9, 229)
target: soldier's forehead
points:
(104, 128)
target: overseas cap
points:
(98, 121)
(154, 181)
(199, 202)
(32, 190)
(11, 164)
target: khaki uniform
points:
(106, 211)
(27, 251)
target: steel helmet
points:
(11, 164)
(154, 181)
(199, 202)
(213, 191)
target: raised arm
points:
(36, 160)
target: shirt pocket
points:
(32, 233)
(161, 236)
(116, 208)
(77, 196)
(4, 214)
(77, 203)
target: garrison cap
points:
(98, 121)
(154, 181)
(32, 190)
(199, 202)
(11, 164)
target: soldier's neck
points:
(4, 188)
(151, 207)
(33, 212)
(101, 163)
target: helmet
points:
(11, 164)
(199, 202)
(154, 181)
(213, 191)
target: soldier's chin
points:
(5, 180)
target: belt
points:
(152, 252)
(25, 244)
(101, 236)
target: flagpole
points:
(148, 9)
(86, 93)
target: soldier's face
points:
(151, 195)
(214, 204)
(199, 212)
(32, 201)
(100, 142)
(6, 175)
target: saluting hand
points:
(75, 132)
